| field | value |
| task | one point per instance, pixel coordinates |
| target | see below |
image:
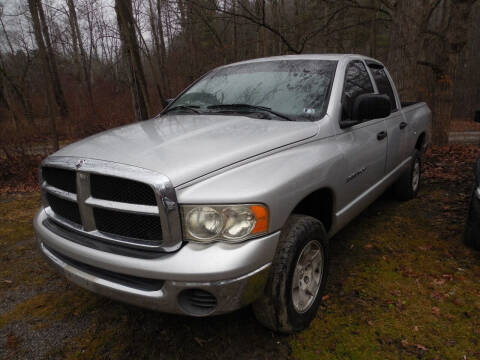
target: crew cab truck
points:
(230, 196)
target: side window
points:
(357, 82)
(383, 84)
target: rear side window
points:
(383, 84)
(357, 82)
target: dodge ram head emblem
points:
(79, 164)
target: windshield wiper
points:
(250, 107)
(191, 108)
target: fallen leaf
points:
(421, 347)
(439, 282)
(449, 316)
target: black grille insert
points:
(145, 227)
(64, 208)
(60, 178)
(122, 190)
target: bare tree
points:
(128, 36)
(46, 64)
(50, 57)
(79, 53)
(150, 49)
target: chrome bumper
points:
(235, 274)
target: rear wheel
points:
(408, 184)
(297, 277)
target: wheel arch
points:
(319, 205)
(420, 145)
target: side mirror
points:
(348, 123)
(477, 116)
(371, 106)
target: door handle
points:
(381, 135)
(403, 125)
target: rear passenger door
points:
(364, 145)
(396, 125)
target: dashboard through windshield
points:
(296, 90)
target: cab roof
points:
(332, 57)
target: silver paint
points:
(225, 159)
(231, 294)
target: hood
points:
(184, 147)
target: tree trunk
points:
(11, 87)
(33, 7)
(128, 37)
(159, 47)
(82, 58)
(53, 70)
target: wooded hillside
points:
(69, 68)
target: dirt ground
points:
(402, 286)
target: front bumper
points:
(234, 274)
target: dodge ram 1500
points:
(230, 195)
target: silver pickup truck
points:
(230, 196)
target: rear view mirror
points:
(477, 116)
(371, 106)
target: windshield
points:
(298, 89)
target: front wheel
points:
(297, 277)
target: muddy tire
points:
(407, 186)
(297, 277)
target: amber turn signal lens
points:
(261, 215)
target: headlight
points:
(229, 223)
(478, 193)
(204, 223)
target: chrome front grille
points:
(112, 202)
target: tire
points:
(472, 229)
(407, 186)
(285, 308)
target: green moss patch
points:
(52, 306)
(16, 216)
(398, 288)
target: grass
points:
(402, 286)
(399, 289)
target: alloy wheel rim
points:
(307, 276)
(416, 175)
